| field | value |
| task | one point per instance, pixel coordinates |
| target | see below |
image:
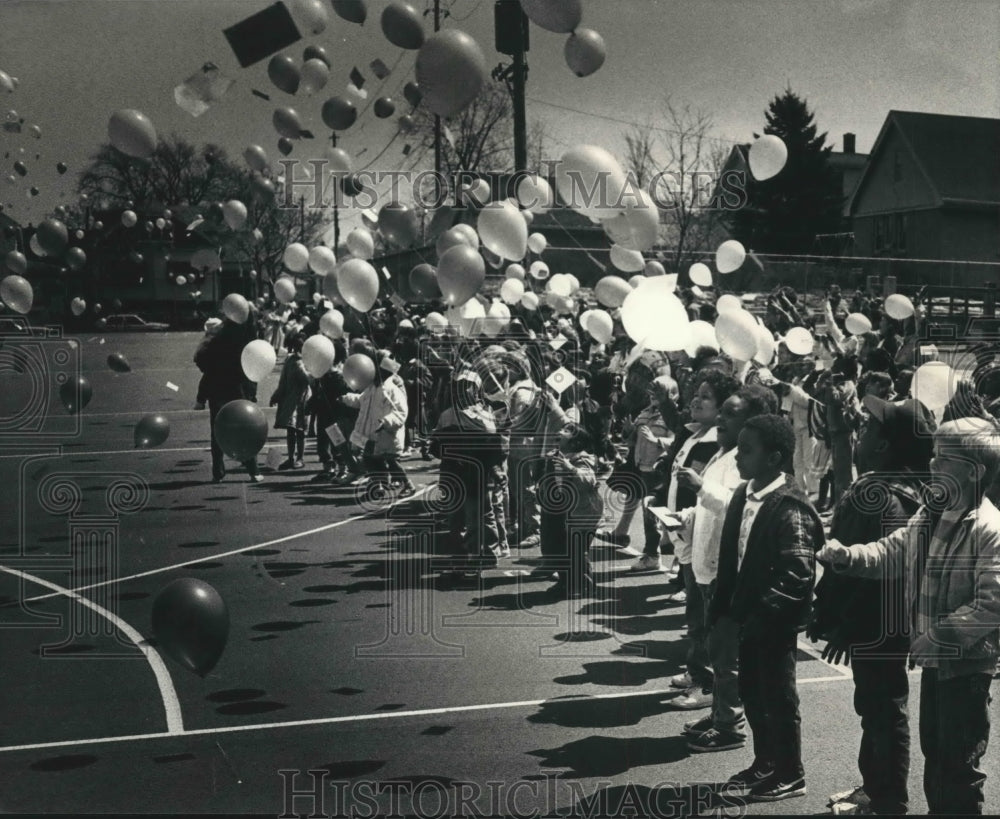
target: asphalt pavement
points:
(352, 670)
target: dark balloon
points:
(284, 73)
(152, 430)
(75, 394)
(52, 237)
(351, 10)
(191, 623)
(285, 146)
(75, 258)
(339, 113)
(118, 363)
(398, 224)
(101, 323)
(241, 429)
(412, 93)
(215, 214)
(61, 167)
(34, 191)
(384, 107)
(423, 282)
(21, 168)
(351, 185)
(316, 53)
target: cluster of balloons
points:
(309, 77)
(584, 51)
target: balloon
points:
(584, 52)
(16, 262)
(560, 16)
(75, 394)
(799, 341)
(331, 324)
(314, 76)
(258, 359)
(453, 237)
(181, 280)
(285, 146)
(627, 261)
(7, 82)
(296, 257)
(767, 157)
(654, 268)
(78, 306)
(315, 52)
(21, 168)
(351, 10)
(539, 270)
(361, 243)
(476, 193)
(766, 346)
(497, 317)
(129, 219)
(35, 131)
(284, 290)
(451, 69)
(637, 224)
(574, 283)
(528, 217)
(412, 93)
(283, 73)
(33, 191)
(206, 259)
(358, 284)
(61, 168)
(16, 293)
(529, 301)
(339, 161)
(235, 214)
(635, 281)
(611, 291)
(152, 430)
(737, 334)
(729, 256)
(322, 261)
(934, 385)
(241, 429)
(191, 623)
(700, 274)
(236, 308)
(502, 230)
(591, 181)
(161, 223)
(654, 317)
(339, 113)
(264, 188)
(461, 272)
(132, 133)
(118, 363)
(537, 242)
(256, 158)
(287, 123)
(52, 236)
(728, 303)
(402, 25)
(702, 335)
(535, 194)
(898, 306)
(359, 370)
(559, 285)
(98, 225)
(600, 326)
(435, 322)
(515, 271)
(424, 283)
(97, 309)
(384, 107)
(398, 224)
(857, 323)
(467, 317)
(511, 290)
(407, 124)
(310, 16)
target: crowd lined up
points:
(747, 475)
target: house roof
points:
(959, 156)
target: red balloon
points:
(191, 623)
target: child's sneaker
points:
(715, 740)
(648, 563)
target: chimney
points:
(849, 147)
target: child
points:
(949, 555)
(291, 397)
(571, 509)
(767, 567)
(212, 327)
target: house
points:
(931, 190)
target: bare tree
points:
(537, 138)
(640, 141)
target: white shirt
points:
(682, 545)
(719, 480)
(753, 503)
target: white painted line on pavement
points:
(231, 552)
(171, 704)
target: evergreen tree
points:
(784, 214)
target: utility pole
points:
(511, 34)
(437, 119)
(336, 209)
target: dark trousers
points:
(218, 456)
(565, 548)
(881, 691)
(954, 732)
(770, 698)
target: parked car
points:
(131, 323)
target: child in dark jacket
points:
(767, 568)
(290, 397)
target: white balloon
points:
(503, 231)
(322, 261)
(584, 317)
(535, 194)
(654, 317)
(284, 290)
(767, 157)
(296, 257)
(529, 301)
(467, 317)
(627, 261)
(181, 281)
(339, 162)
(702, 335)
(560, 16)
(258, 359)
(766, 346)
(361, 243)
(600, 325)
(234, 212)
(435, 322)
(313, 76)
(497, 317)
(700, 274)
(591, 181)
(537, 243)
(737, 334)
(898, 306)
(515, 271)
(728, 303)
(317, 355)
(511, 290)
(637, 224)
(799, 341)
(730, 256)
(539, 270)
(611, 291)
(654, 268)
(934, 385)
(78, 306)
(331, 324)
(236, 308)
(311, 16)
(857, 323)
(560, 285)
(476, 193)
(574, 284)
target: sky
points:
(852, 60)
